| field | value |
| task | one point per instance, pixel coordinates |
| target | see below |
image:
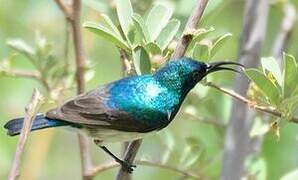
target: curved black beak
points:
(218, 66)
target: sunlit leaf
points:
(259, 128)
(292, 175)
(124, 12)
(22, 47)
(141, 26)
(157, 19)
(288, 106)
(169, 140)
(200, 35)
(99, 6)
(153, 48)
(218, 43)
(141, 61)
(265, 85)
(201, 52)
(106, 34)
(212, 6)
(258, 169)
(89, 75)
(270, 64)
(108, 22)
(290, 75)
(191, 152)
(168, 33)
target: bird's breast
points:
(145, 100)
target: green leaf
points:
(288, 106)
(265, 85)
(258, 169)
(141, 26)
(218, 43)
(292, 175)
(157, 19)
(211, 7)
(191, 152)
(108, 22)
(200, 35)
(259, 128)
(106, 34)
(290, 75)
(97, 5)
(201, 52)
(22, 47)
(124, 12)
(168, 139)
(271, 65)
(168, 33)
(141, 61)
(153, 48)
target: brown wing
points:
(89, 109)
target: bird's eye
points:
(195, 74)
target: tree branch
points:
(126, 66)
(66, 9)
(191, 24)
(113, 164)
(129, 157)
(72, 14)
(237, 138)
(30, 113)
(267, 109)
(20, 73)
(285, 31)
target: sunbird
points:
(129, 108)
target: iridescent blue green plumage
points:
(136, 104)
(129, 108)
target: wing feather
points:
(90, 109)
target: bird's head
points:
(185, 73)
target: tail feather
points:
(15, 126)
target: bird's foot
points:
(127, 166)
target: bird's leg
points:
(126, 165)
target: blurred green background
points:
(53, 154)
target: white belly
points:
(108, 135)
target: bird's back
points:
(136, 104)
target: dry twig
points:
(72, 13)
(192, 22)
(266, 109)
(112, 164)
(30, 113)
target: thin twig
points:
(168, 167)
(78, 45)
(30, 112)
(113, 164)
(67, 11)
(73, 15)
(285, 31)
(126, 66)
(20, 73)
(237, 138)
(206, 121)
(129, 157)
(267, 109)
(80, 70)
(192, 22)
